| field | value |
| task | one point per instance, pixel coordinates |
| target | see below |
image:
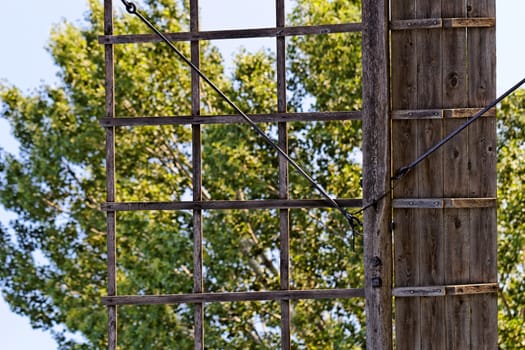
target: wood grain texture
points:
(442, 203)
(455, 153)
(111, 220)
(229, 297)
(376, 174)
(482, 174)
(439, 23)
(453, 289)
(404, 151)
(429, 222)
(230, 205)
(198, 273)
(231, 119)
(234, 34)
(284, 214)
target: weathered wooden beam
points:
(229, 205)
(442, 203)
(284, 214)
(448, 113)
(438, 23)
(111, 218)
(196, 138)
(437, 291)
(376, 175)
(226, 297)
(234, 34)
(231, 119)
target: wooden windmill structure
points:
(430, 243)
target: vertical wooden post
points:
(198, 280)
(110, 176)
(284, 214)
(376, 175)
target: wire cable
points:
(352, 220)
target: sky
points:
(24, 62)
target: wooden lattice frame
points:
(377, 118)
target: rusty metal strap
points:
(434, 23)
(447, 290)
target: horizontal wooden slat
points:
(231, 119)
(233, 33)
(437, 203)
(230, 205)
(432, 23)
(234, 297)
(436, 291)
(472, 22)
(440, 113)
(469, 289)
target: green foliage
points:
(53, 256)
(511, 221)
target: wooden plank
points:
(482, 174)
(463, 22)
(230, 205)
(198, 277)
(234, 34)
(442, 203)
(439, 23)
(111, 216)
(429, 222)
(455, 155)
(284, 214)
(452, 290)
(376, 174)
(228, 297)
(231, 119)
(404, 150)
(470, 289)
(451, 78)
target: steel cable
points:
(351, 219)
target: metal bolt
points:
(377, 282)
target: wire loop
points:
(130, 7)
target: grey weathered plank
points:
(429, 222)
(439, 23)
(404, 150)
(451, 290)
(450, 77)
(231, 119)
(284, 214)
(111, 221)
(437, 203)
(376, 174)
(227, 297)
(455, 155)
(234, 33)
(198, 277)
(482, 174)
(230, 205)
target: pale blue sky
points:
(25, 29)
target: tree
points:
(52, 258)
(511, 221)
